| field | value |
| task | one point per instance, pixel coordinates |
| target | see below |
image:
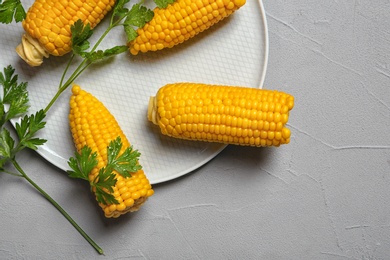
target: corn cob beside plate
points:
(48, 23)
(225, 114)
(94, 126)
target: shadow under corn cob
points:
(94, 126)
(48, 23)
(181, 21)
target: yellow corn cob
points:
(93, 125)
(48, 22)
(226, 114)
(181, 21)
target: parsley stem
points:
(77, 72)
(82, 66)
(66, 69)
(12, 173)
(63, 86)
(58, 207)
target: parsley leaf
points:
(14, 95)
(120, 11)
(18, 106)
(99, 55)
(138, 16)
(124, 164)
(11, 9)
(8, 79)
(80, 35)
(7, 145)
(14, 102)
(103, 184)
(163, 3)
(82, 164)
(28, 127)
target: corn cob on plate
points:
(47, 26)
(232, 52)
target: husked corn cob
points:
(181, 21)
(93, 125)
(48, 23)
(226, 114)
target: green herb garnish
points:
(163, 3)
(11, 10)
(14, 103)
(125, 164)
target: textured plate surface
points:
(233, 52)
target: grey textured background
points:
(323, 196)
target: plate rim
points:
(58, 161)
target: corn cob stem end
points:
(31, 51)
(152, 110)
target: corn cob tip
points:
(239, 3)
(31, 51)
(76, 89)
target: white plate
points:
(232, 52)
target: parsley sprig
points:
(15, 95)
(124, 163)
(14, 103)
(136, 16)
